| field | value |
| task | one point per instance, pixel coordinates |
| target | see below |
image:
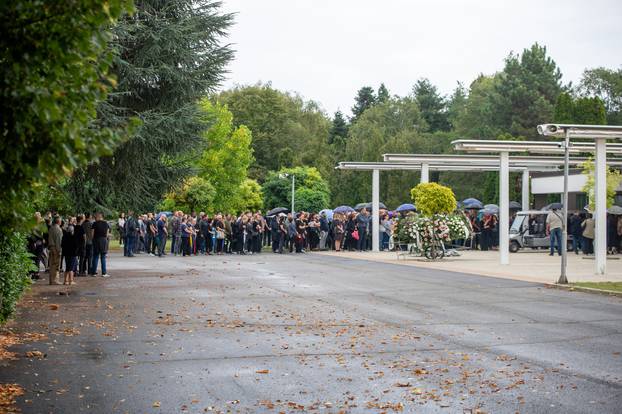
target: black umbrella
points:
(360, 206)
(368, 206)
(556, 206)
(276, 211)
(515, 205)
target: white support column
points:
(600, 213)
(425, 173)
(375, 210)
(504, 208)
(525, 191)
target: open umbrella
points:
(406, 207)
(328, 212)
(380, 205)
(491, 208)
(343, 210)
(360, 206)
(276, 211)
(473, 205)
(615, 210)
(515, 205)
(471, 200)
(555, 206)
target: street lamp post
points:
(286, 175)
(293, 193)
(562, 276)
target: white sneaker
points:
(105, 275)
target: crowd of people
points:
(248, 233)
(76, 246)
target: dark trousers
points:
(149, 244)
(99, 253)
(486, 239)
(241, 243)
(185, 246)
(86, 258)
(161, 245)
(128, 249)
(577, 242)
(588, 245)
(362, 241)
(257, 242)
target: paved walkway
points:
(527, 265)
(312, 333)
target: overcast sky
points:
(327, 49)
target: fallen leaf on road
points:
(263, 371)
(54, 306)
(35, 354)
(156, 404)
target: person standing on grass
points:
(101, 235)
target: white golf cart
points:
(529, 230)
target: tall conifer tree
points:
(169, 55)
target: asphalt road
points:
(312, 333)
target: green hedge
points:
(15, 267)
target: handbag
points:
(220, 234)
(355, 234)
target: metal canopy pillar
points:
(425, 173)
(525, 191)
(504, 207)
(375, 211)
(600, 195)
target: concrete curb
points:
(572, 288)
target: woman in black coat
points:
(69, 247)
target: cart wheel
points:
(514, 246)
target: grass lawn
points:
(114, 245)
(613, 286)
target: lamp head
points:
(550, 129)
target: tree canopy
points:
(168, 55)
(55, 69)
(226, 159)
(605, 84)
(287, 130)
(311, 190)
